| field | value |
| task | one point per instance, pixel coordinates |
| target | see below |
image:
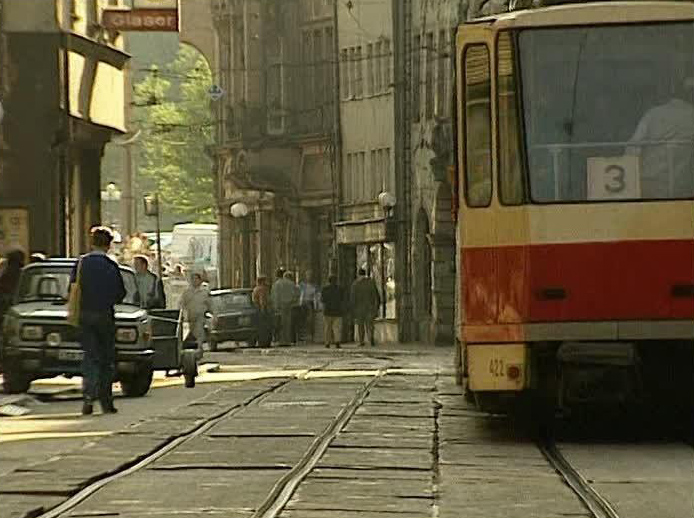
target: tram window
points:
(609, 112)
(510, 157)
(478, 142)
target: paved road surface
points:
(308, 433)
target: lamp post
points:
(240, 212)
(151, 202)
(387, 202)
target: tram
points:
(575, 204)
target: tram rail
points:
(598, 505)
(282, 491)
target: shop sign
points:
(14, 229)
(141, 20)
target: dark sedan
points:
(233, 319)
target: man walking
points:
(333, 305)
(365, 302)
(101, 286)
(261, 300)
(150, 288)
(308, 293)
(276, 316)
(195, 303)
(285, 294)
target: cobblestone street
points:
(304, 433)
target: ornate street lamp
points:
(151, 202)
(240, 211)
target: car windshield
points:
(609, 112)
(232, 301)
(51, 283)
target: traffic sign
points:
(215, 92)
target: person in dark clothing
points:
(333, 306)
(9, 278)
(102, 288)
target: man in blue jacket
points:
(102, 288)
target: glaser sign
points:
(145, 20)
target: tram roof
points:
(593, 13)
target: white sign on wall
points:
(614, 178)
(155, 4)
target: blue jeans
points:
(99, 362)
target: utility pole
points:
(128, 204)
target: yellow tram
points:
(575, 192)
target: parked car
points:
(233, 318)
(38, 342)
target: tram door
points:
(477, 225)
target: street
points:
(307, 432)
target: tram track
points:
(598, 505)
(281, 492)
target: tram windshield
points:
(609, 112)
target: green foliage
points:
(173, 111)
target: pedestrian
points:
(333, 301)
(285, 295)
(365, 301)
(101, 287)
(308, 294)
(10, 271)
(195, 303)
(277, 317)
(150, 288)
(261, 300)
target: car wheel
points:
(189, 367)
(213, 345)
(15, 382)
(138, 384)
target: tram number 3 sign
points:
(613, 178)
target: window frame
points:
(464, 54)
(520, 125)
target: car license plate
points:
(245, 321)
(72, 356)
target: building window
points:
(363, 190)
(344, 73)
(389, 173)
(328, 59)
(359, 73)
(375, 173)
(385, 59)
(478, 145)
(347, 179)
(370, 64)
(416, 78)
(442, 75)
(352, 73)
(429, 79)
(510, 172)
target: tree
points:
(173, 111)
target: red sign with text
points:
(141, 20)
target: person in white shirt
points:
(195, 303)
(308, 300)
(664, 139)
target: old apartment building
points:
(64, 72)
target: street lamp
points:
(151, 202)
(387, 202)
(240, 211)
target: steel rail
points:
(282, 492)
(594, 502)
(157, 454)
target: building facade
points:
(367, 150)
(275, 148)
(63, 95)
(434, 27)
